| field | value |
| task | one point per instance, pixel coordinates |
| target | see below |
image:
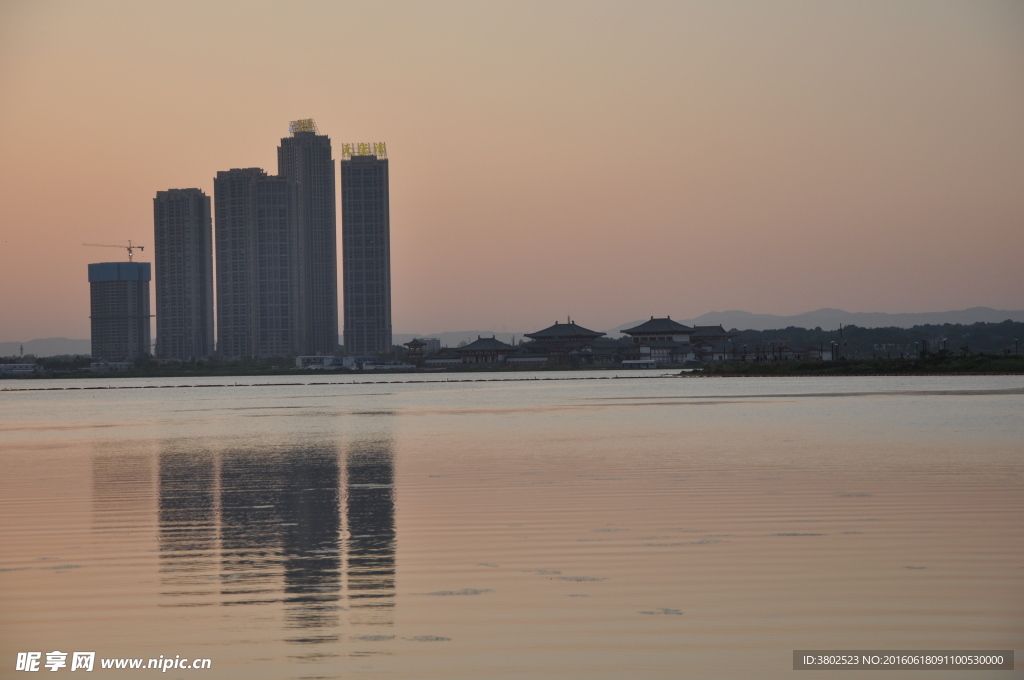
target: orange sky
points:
(608, 160)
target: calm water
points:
(604, 528)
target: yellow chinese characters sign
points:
(364, 149)
(303, 125)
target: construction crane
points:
(128, 247)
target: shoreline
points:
(494, 380)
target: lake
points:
(582, 525)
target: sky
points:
(607, 161)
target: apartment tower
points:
(258, 273)
(305, 159)
(366, 248)
(119, 310)
(183, 241)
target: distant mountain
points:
(47, 347)
(829, 319)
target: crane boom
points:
(130, 247)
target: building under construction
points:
(119, 306)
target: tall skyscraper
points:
(119, 310)
(183, 240)
(258, 273)
(366, 248)
(305, 158)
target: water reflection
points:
(263, 526)
(311, 538)
(188, 524)
(251, 543)
(122, 491)
(370, 508)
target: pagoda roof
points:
(564, 330)
(710, 330)
(415, 343)
(665, 325)
(485, 345)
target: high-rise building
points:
(258, 272)
(366, 248)
(119, 310)
(183, 241)
(305, 158)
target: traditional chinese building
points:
(485, 351)
(662, 340)
(559, 341)
(414, 351)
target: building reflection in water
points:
(280, 531)
(264, 525)
(370, 511)
(188, 524)
(311, 538)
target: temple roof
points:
(666, 325)
(564, 331)
(485, 345)
(711, 331)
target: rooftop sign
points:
(303, 125)
(364, 149)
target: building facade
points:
(258, 271)
(485, 351)
(183, 259)
(366, 248)
(119, 310)
(305, 159)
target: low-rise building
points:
(323, 363)
(361, 362)
(20, 369)
(664, 341)
(561, 342)
(485, 351)
(417, 348)
(445, 357)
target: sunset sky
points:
(604, 160)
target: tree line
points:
(1006, 337)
